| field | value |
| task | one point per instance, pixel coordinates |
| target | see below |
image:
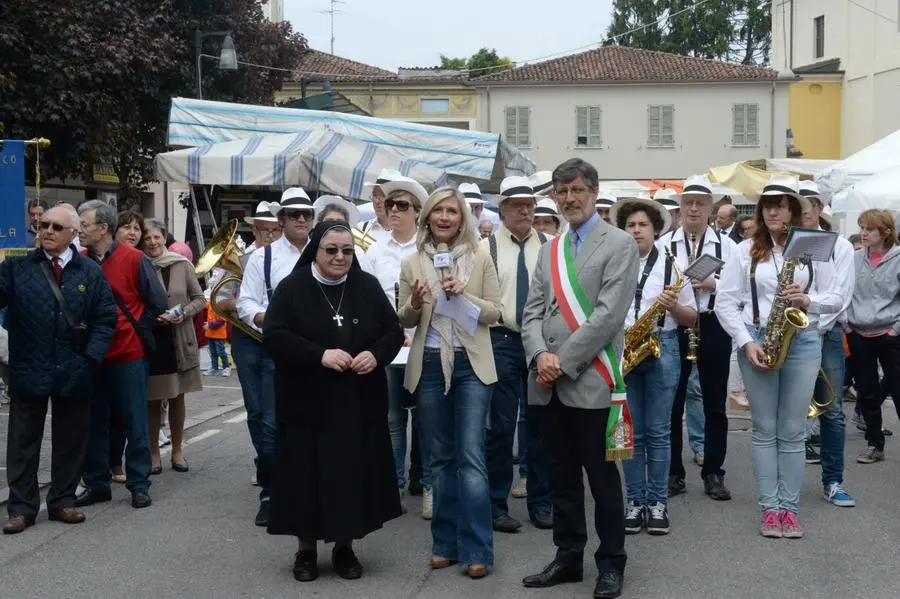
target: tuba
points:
(362, 239)
(641, 341)
(224, 253)
(815, 408)
(784, 319)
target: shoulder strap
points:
(166, 275)
(125, 311)
(366, 226)
(712, 296)
(267, 270)
(812, 274)
(492, 246)
(754, 296)
(639, 290)
(54, 287)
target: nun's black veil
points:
(315, 240)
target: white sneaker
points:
(226, 372)
(520, 491)
(427, 503)
(211, 372)
(402, 497)
(164, 438)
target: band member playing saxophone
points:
(652, 362)
(771, 307)
(714, 347)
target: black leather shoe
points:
(609, 584)
(553, 575)
(262, 516)
(90, 497)
(140, 499)
(506, 523)
(542, 520)
(344, 562)
(155, 470)
(714, 486)
(676, 485)
(305, 567)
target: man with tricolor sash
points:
(572, 330)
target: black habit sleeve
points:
(390, 341)
(280, 338)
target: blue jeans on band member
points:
(398, 417)
(831, 422)
(778, 407)
(256, 372)
(651, 393)
(122, 388)
(693, 409)
(453, 427)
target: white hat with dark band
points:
(515, 187)
(293, 198)
(471, 192)
(541, 183)
(645, 203)
(605, 200)
(809, 189)
(667, 197)
(263, 213)
(547, 207)
(697, 185)
(785, 185)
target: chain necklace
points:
(337, 316)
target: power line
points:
(873, 11)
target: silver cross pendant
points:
(338, 319)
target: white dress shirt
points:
(374, 228)
(734, 303)
(64, 257)
(845, 271)
(508, 269)
(653, 287)
(683, 248)
(253, 298)
(383, 260)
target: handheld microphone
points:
(443, 260)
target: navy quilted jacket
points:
(42, 359)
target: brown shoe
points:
(17, 524)
(438, 562)
(476, 571)
(68, 515)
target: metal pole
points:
(212, 216)
(198, 50)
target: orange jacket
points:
(215, 324)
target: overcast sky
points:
(395, 33)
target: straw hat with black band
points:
(541, 183)
(471, 192)
(646, 203)
(262, 213)
(785, 185)
(293, 198)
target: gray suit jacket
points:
(607, 266)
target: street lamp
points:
(227, 56)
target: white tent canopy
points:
(316, 159)
(837, 181)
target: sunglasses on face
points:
(400, 205)
(55, 226)
(333, 250)
(297, 214)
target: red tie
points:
(57, 268)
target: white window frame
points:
(584, 117)
(657, 135)
(514, 135)
(742, 135)
(423, 100)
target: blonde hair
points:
(468, 233)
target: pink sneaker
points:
(771, 525)
(790, 526)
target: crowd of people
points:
(577, 326)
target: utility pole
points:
(333, 11)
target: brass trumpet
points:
(362, 239)
(815, 408)
(224, 253)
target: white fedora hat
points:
(697, 185)
(263, 213)
(785, 185)
(546, 207)
(385, 175)
(471, 192)
(293, 198)
(327, 200)
(646, 203)
(541, 183)
(407, 184)
(515, 187)
(667, 197)
(809, 189)
(605, 200)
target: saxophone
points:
(693, 332)
(784, 319)
(641, 341)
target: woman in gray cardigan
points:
(873, 331)
(175, 363)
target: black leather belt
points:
(505, 331)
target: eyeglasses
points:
(297, 214)
(576, 190)
(332, 251)
(55, 226)
(267, 232)
(400, 205)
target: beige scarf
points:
(463, 265)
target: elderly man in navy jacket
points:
(55, 351)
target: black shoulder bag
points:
(145, 335)
(78, 331)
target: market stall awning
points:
(839, 179)
(464, 155)
(316, 159)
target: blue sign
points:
(13, 218)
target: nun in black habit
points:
(331, 332)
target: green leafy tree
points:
(457, 64)
(753, 33)
(702, 32)
(483, 62)
(635, 23)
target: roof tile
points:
(338, 69)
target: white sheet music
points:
(810, 244)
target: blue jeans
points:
(523, 437)
(651, 393)
(122, 390)
(216, 353)
(778, 406)
(256, 372)
(693, 407)
(398, 418)
(512, 370)
(453, 426)
(832, 427)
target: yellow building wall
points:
(389, 103)
(815, 119)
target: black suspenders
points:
(639, 290)
(754, 294)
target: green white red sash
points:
(576, 308)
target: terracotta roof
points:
(337, 69)
(623, 64)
